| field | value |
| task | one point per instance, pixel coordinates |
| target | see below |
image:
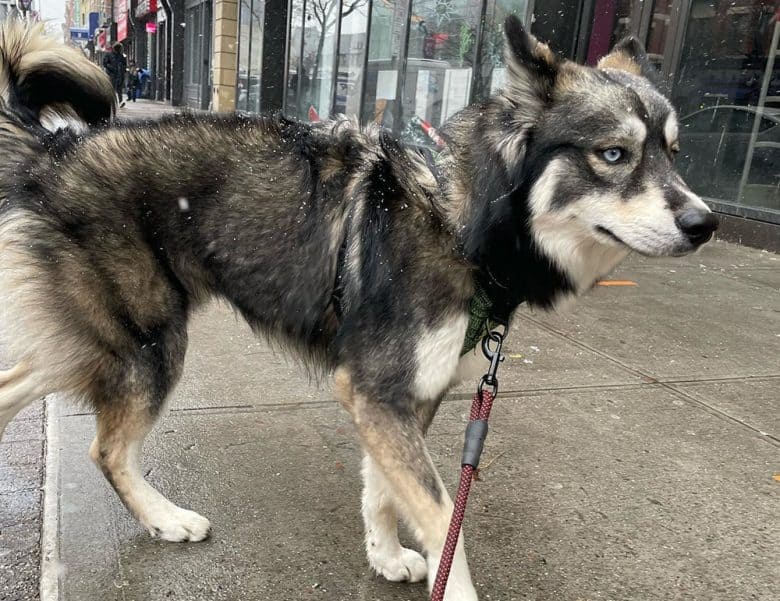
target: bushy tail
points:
(40, 77)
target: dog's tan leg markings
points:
(121, 429)
(397, 448)
(385, 553)
(18, 388)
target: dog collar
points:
(481, 320)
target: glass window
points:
(316, 22)
(727, 61)
(660, 20)
(388, 22)
(352, 53)
(294, 61)
(242, 81)
(491, 73)
(611, 23)
(193, 49)
(255, 54)
(250, 54)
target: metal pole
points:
(770, 63)
(401, 82)
(476, 73)
(334, 74)
(300, 61)
(364, 78)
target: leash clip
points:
(495, 357)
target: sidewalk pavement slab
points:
(632, 456)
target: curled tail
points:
(41, 79)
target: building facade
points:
(408, 65)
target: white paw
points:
(177, 525)
(404, 565)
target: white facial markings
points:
(636, 129)
(695, 200)
(566, 234)
(671, 129)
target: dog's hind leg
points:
(18, 388)
(385, 553)
(121, 429)
(395, 443)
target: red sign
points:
(121, 28)
(120, 17)
(145, 7)
(151, 27)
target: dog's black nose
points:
(697, 225)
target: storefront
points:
(405, 65)
(408, 65)
(146, 43)
(197, 53)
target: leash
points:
(476, 432)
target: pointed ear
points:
(532, 67)
(629, 55)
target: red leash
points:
(476, 431)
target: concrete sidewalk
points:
(633, 455)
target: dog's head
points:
(596, 146)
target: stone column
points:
(225, 59)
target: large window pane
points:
(314, 30)
(440, 64)
(730, 142)
(491, 73)
(385, 57)
(660, 20)
(352, 51)
(256, 55)
(244, 25)
(611, 23)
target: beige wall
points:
(225, 59)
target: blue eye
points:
(612, 155)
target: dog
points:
(332, 238)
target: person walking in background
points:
(145, 78)
(133, 82)
(115, 65)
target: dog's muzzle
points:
(697, 225)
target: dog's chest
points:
(438, 362)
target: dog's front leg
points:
(399, 464)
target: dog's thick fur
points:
(333, 239)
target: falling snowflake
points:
(444, 11)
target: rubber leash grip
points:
(476, 432)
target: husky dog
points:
(332, 238)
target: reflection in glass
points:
(388, 20)
(439, 66)
(352, 49)
(730, 130)
(250, 54)
(256, 54)
(242, 81)
(611, 23)
(659, 27)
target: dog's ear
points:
(629, 55)
(532, 66)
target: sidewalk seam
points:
(50, 522)
(653, 379)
